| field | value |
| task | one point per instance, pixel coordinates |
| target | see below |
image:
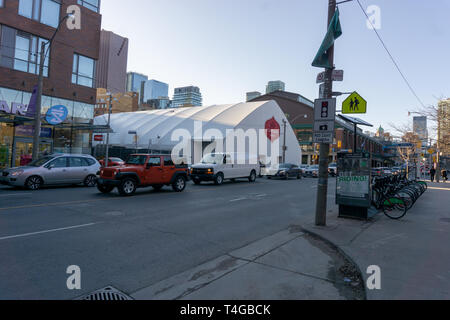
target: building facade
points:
(300, 113)
(112, 62)
(420, 128)
(252, 95)
(69, 76)
(187, 97)
(154, 89)
(121, 102)
(135, 83)
(273, 86)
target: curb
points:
(340, 251)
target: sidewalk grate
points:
(106, 294)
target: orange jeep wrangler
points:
(141, 171)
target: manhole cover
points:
(106, 294)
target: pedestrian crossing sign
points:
(355, 104)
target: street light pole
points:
(37, 116)
(322, 192)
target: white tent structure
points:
(160, 129)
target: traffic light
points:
(325, 109)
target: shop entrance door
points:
(23, 150)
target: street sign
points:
(325, 137)
(98, 137)
(325, 110)
(324, 120)
(338, 75)
(355, 104)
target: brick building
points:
(69, 75)
(300, 113)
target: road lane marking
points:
(240, 199)
(445, 189)
(47, 231)
(15, 195)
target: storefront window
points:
(68, 137)
(6, 133)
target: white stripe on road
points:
(445, 189)
(15, 195)
(46, 231)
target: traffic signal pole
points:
(322, 192)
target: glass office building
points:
(187, 97)
(154, 89)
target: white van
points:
(218, 167)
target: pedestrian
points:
(432, 174)
(444, 175)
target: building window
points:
(21, 51)
(44, 11)
(83, 71)
(2, 2)
(90, 4)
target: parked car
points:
(218, 167)
(112, 162)
(311, 172)
(58, 169)
(142, 171)
(333, 170)
(285, 171)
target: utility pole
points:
(37, 117)
(322, 192)
(107, 134)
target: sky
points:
(228, 48)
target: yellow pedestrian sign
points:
(354, 104)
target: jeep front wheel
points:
(180, 184)
(104, 189)
(127, 187)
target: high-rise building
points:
(69, 76)
(112, 62)
(187, 97)
(252, 95)
(136, 83)
(273, 86)
(154, 89)
(420, 128)
(444, 127)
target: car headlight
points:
(16, 173)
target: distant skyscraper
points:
(421, 128)
(253, 95)
(154, 89)
(135, 83)
(111, 68)
(187, 97)
(275, 86)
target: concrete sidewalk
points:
(413, 253)
(288, 265)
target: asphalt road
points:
(132, 243)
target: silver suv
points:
(58, 169)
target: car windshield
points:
(115, 159)
(212, 159)
(40, 162)
(137, 160)
(284, 166)
(314, 167)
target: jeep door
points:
(168, 169)
(154, 171)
